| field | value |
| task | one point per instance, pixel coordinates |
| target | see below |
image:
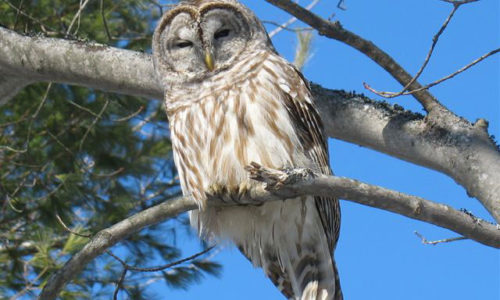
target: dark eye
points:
(183, 44)
(221, 33)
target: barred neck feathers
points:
(183, 95)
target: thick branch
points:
(453, 146)
(447, 143)
(279, 185)
(34, 59)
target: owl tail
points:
(311, 276)
(298, 261)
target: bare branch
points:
(435, 39)
(77, 17)
(291, 20)
(160, 268)
(103, 17)
(455, 73)
(427, 242)
(279, 185)
(29, 285)
(335, 31)
(119, 283)
(96, 119)
(19, 11)
(69, 229)
(456, 5)
(392, 95)
(295, 29)
(459, 2)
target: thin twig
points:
(93, 124)
(159, 268)
(456, 5)
(8, 148)
(104, 21)
(427, 58)
(111, 174)
(483, 57)
(427, 242)
(464, 68)
(69, 229)
(56, 139)
(83, 108)
(32, 118)
(459, 2)
(288, 28)
(291, 20)
(341, 5)
(119, 283)
(19, 11)
(77, 16)
(17, 14)
(30, 284)
(126, 118)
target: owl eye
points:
(221, 33)
(184, 44)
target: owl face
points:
(194, 41)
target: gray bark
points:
(441, 141)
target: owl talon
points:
(239, 194)
(214, 189)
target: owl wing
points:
(297, 98)
(303, 114)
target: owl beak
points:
(209, 60)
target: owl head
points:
(199, 38)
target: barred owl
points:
(232, 100)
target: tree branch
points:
(38, 59)
(109, 237)
(435, 39)
(405, 91)
(335, 31)
(441, 141)
(279, 185)
(455, 147)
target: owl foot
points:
(275, 179)
(238, 194)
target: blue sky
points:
(378, 255)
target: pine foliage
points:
(89, 157)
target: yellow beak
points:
(209, 60)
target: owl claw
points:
(244, 188)
(215, 189)
(238, 194)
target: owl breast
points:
(218, 129)
(228, 124)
